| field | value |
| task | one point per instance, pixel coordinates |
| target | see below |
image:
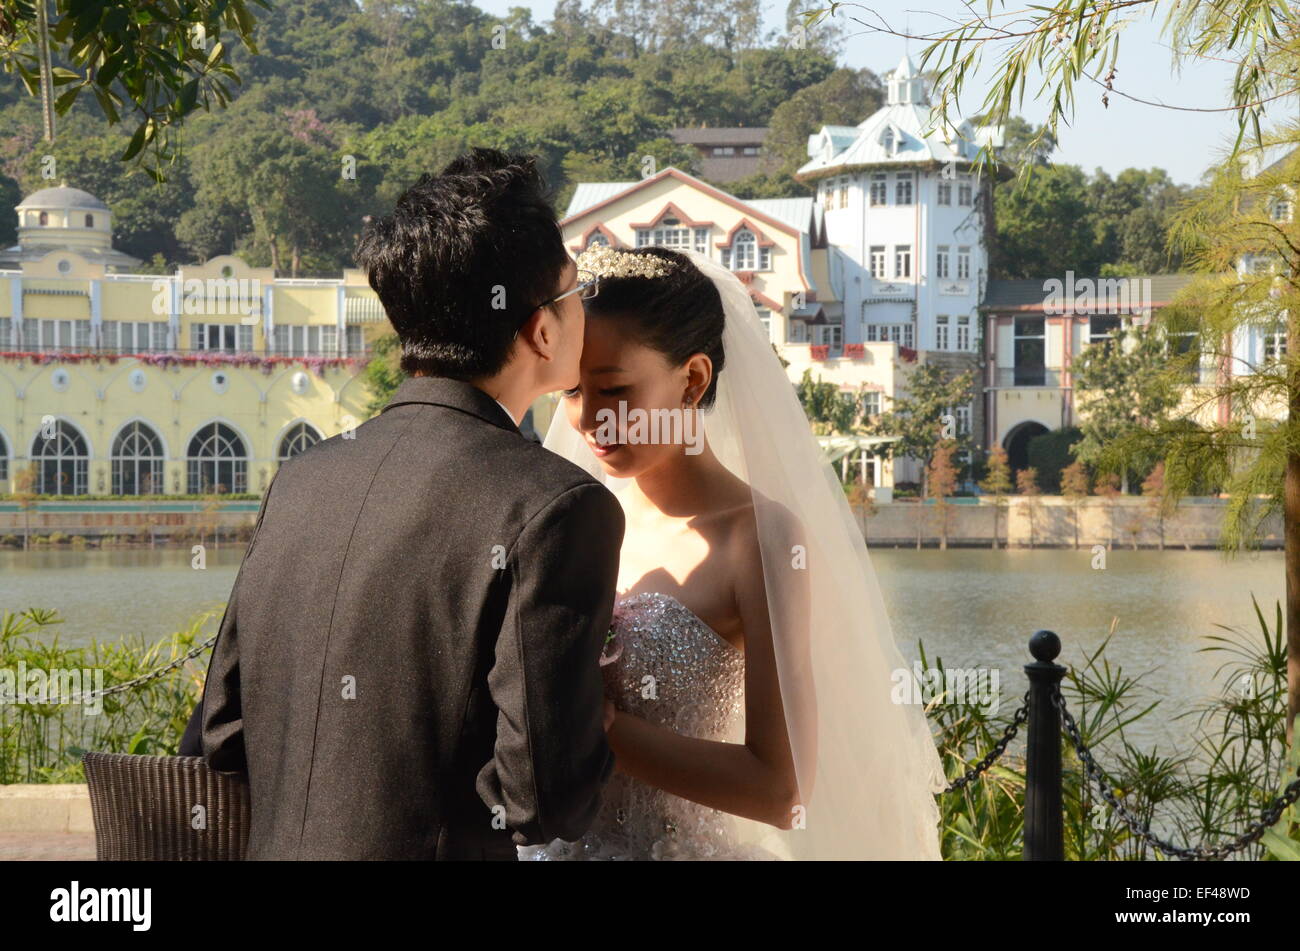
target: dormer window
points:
(887, 139)
(597, 240)
(745, 253)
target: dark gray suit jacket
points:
(407, 667)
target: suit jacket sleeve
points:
(221, 709)
(551, 757)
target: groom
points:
(407, 667)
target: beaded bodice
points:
(670, 669)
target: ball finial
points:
(1045, 646)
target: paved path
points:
(46, 846)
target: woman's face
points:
(616, 369)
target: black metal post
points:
(1044, 836)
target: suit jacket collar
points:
(443, 391)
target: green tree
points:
(1050, 454)
(1243, 239)
(383, 374)
(1123, 388)
(147, 62)
(827, 407)
(921, 416)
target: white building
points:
(906, 218)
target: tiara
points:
(604, 261)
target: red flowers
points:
(166, 359)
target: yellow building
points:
(114, 383)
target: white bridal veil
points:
(867, 766)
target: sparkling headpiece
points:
(604, 261)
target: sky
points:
(1124, 135)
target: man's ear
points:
(538, 333)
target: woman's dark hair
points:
(679, 314)
(464, 258)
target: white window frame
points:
(964, 332)
(876, 261)
(902, 260)
(879, 194)
(904, 189)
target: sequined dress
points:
(672, 670)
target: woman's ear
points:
(699, 373)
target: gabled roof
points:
(615, 190)
(907, 121)
(779, 214)
(593, 193)
(796, 212)
(893, 135)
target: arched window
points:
(44, 218)
(137, 461)
(298, 439)
(4, 459)
(90, 221)
(216, 461)
(61, 461)
(744, 255)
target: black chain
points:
(1253, 832)
(137, 681)
(998, 749)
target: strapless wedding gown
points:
(672, 670)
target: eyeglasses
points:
(588, 286)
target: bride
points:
(762, 706)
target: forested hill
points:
(397, 89)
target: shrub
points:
(1050, 453)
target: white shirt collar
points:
(508, 413)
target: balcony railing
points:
(1028, 376)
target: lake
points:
(972, 607)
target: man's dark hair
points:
(464, 258)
